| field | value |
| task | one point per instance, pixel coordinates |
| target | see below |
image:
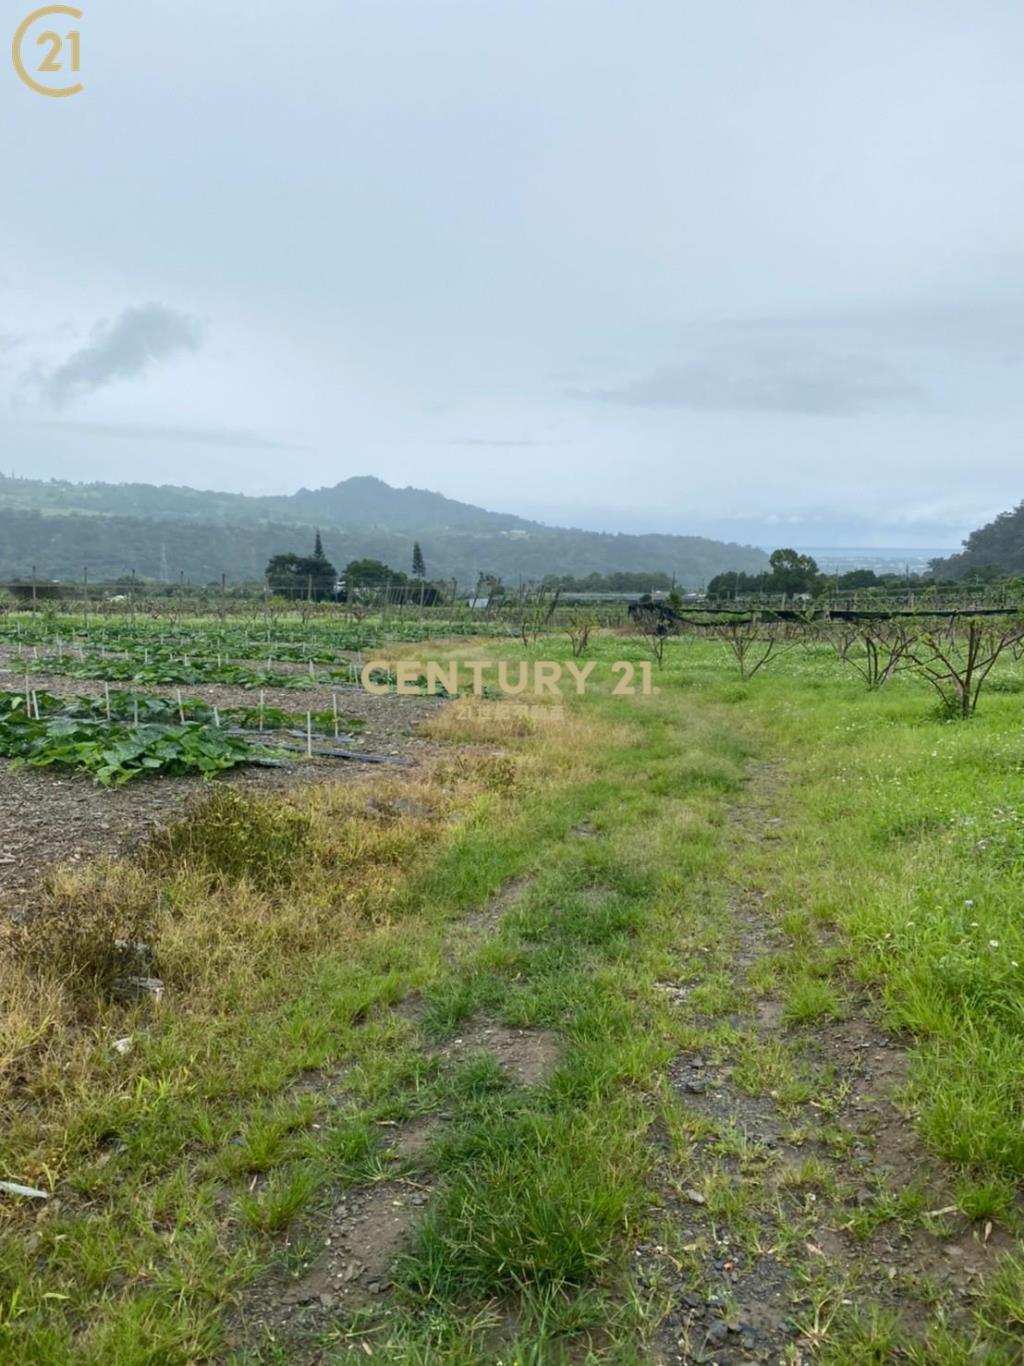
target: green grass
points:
(287, 933)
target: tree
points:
(957, 659)
(419, 568)
(752, 642)
(303, 576)
(370, 574)
(730, 583)
(887, 647)
(858, 578)
(653, 626)
(1000, 544)
(792, 573)
(578, 628)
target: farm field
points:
(682, 1027)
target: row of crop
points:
(187, 671)
(113, 751)
(293, 640)
(148, 708)
(162, 672)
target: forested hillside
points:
(63, 528)
(998, 546)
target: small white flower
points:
(968, 903)
(993, 943)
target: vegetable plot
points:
(113, 752)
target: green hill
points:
(111, 529)
(998, 546)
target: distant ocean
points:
(887, 559)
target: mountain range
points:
(61, 529)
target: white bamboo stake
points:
(181, 709)
(309, 735)
(29, 1192)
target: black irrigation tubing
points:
(352, 754)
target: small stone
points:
(695, 1197)
(717, 1333)
(138, 988)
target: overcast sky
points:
(751, 268)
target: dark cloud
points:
(120, 350)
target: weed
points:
(232, 836)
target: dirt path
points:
(351, 1242)
(802, 1194)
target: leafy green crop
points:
(113, 752)
(139, 708)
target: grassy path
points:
(580, 1047)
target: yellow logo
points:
(60, 52)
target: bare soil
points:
(528, 1056)
(50, 817)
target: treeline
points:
(991, 553)
(622, 582)
(314, 578)
(792, 573)
(60, 545)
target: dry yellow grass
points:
(222, 942)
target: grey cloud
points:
(520, 442)
(121, 350)
(226, 437)
(769, 381)
(485, 441)
(9, 343)
(789, 247)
